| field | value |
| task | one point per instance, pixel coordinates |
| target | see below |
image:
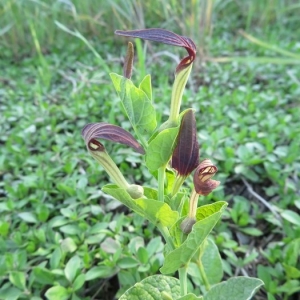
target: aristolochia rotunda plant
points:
(170, 148)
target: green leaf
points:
(18, 279)
(291, 271)
(99, 272)
(71, 229)
(207, 210)
(251, 231)
(68, 245)
(146, 86)
(57, 293)
(291, 252)
(138, 106)
(160, 148)
(28, 217)
(190, 297)
(43, 276)
(156, 211)
(127, 263)
(55, 258)
(157, 287)
(72, 267)
(291, 216)
(211, 261)
(183, 254)
(236, 288)
(154, 245)
(79, 282)
(153, 210)
(142, 255)
(10, 293)
(264, 273)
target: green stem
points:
(166, 234)
(161, 183)
(110, 167)
(193, 204)
(203, 275)
(177, 184)
(183, 280)
(181, 79)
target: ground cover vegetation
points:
(57, 228)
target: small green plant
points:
(171, 154)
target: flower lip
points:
(203, 183)
(165, 37)
(95, 145)
(110, 132)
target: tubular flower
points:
(202, 178)
(165, 37)
(185, 157)
(94, 131)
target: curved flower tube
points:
(94, 131)
(165, 37)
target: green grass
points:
(52, 84)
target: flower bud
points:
(135, 191)
(187, 224)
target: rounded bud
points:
(187, 224)
(135, 191)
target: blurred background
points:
(57, 229)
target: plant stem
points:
(203, 274)
(193, 204)
(166, 234)
(183, 280)
(161, 183)
(181, 79)
(177, 184)
(110, 167)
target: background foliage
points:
(60, 236)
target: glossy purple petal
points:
(109, 132)
(165, 37)
(185, 157)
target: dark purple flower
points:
(165, 37)
(185, 157)
(202, 178)
(109, 132)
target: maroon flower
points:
(109, 132)
(165, 37)
(202, 178)
(186, 154)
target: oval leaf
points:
(161, 148)
(153, 210)
(138, 106)
(157, 287)
(211, 261)
(236, 288)
(57, 292)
